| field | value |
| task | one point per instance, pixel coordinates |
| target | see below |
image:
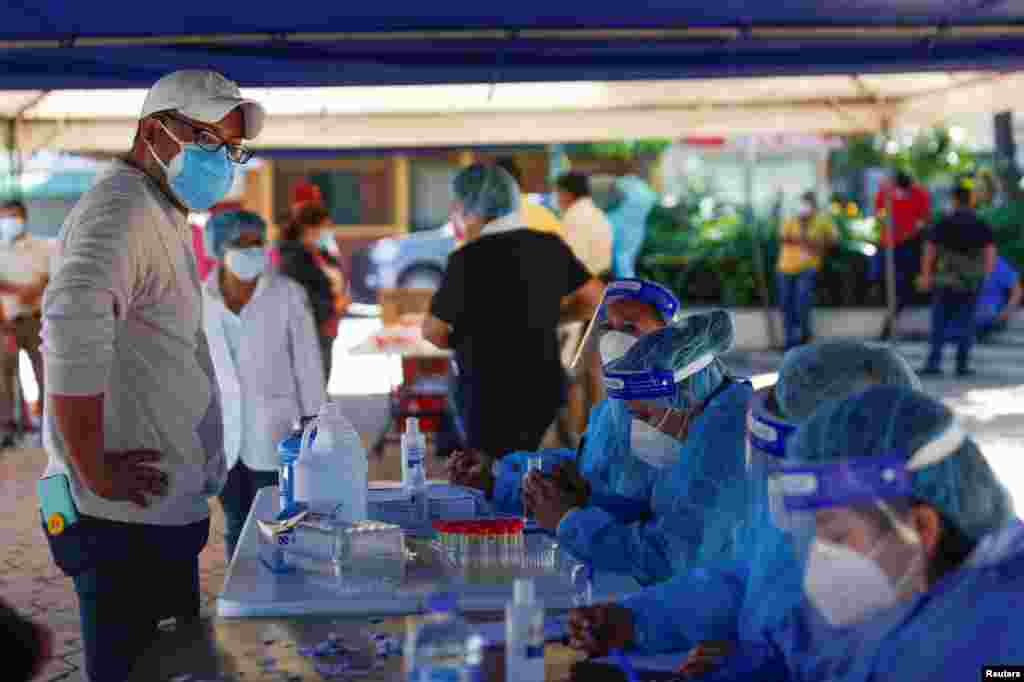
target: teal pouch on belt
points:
(56, 504)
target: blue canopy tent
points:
(52, 44)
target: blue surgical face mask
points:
(11, 227)
(247, 264)
(198, 178)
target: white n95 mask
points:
(614, 345)
(845, 585)
(647, 443)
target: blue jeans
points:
(796, 298)
(129, 577)
(953, 317)
(237, 497)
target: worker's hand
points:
(472, 469)
(1004, 316)
(572, 481)
(924, 282)
(704, 658)
(597, 630)
(129, 476)
(547, 500)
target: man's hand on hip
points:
(130, 476)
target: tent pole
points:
(889, 328)
(759, 268)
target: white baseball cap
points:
(204, 96)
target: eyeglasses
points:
(211, 143)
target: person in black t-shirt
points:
(959, 254)
(498, 307)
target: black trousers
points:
(237, 497)
(129, 577)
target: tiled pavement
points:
(35, 587)
(30, 583)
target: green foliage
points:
(930, 155)
(713, 259)
(625, 150)
(1007, 223)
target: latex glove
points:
(548, 501)
(597, 630)
(472, 469)
(704, 658)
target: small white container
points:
(524, 634)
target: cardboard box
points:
(394, 303)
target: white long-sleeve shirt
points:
(268, 366)
(122, 317)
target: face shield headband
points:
(653, 383)
(858, 481)
(767, 432)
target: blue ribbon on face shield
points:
(766, 432)
(639, 385)
(845, 483)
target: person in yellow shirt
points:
(805, 239)
(533, 215)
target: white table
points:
(251, 589)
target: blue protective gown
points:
(698, 505)
(629, 224)
(968, 620)
(619, 481)
(742, 597)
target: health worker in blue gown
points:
(740, 597)
(910, 556)
(688, 422)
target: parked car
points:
(414, 261)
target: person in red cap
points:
(304, 192)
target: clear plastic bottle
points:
(438, 649)
(288, 453)
(331, 471)
(524, 634)
(414, 480)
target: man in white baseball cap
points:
(190, 132)
(132, 423)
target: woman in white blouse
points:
(266, 355)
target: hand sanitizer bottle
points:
(524, 634)
(414, 446)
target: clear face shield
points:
(851, 522)
(623, 316)
(767, 435)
